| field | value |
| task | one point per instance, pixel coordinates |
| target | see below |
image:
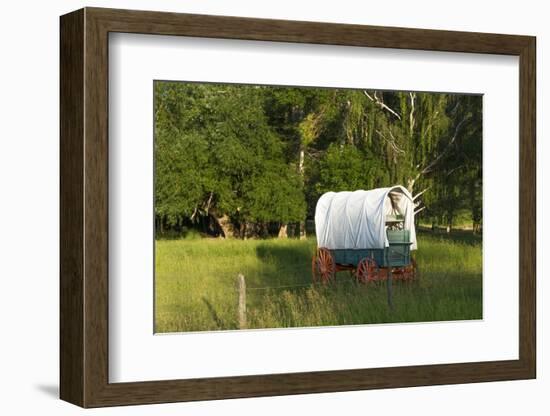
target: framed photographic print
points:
(255, 207)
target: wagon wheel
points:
(323, 266)
(367, 271)
(410, 272)
(414, 270)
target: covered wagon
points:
(370, 233)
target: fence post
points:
(241, 287)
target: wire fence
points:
(312, 284)
(332, 283)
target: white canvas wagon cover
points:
(357, 220)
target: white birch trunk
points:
(301, 171)
(283, 233)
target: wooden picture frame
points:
(84, 207)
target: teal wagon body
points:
(398, 254)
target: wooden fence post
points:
(241, 287)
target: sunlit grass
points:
(195, 286)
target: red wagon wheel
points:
(323, 266)
(414, 270)
(367, 271)
(410, 271)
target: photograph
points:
(305, 206)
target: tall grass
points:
(195, 286)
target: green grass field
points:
(195, 285)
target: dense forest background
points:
(246, 161)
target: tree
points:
(424, 133)
(275, 194)
(182, 170)
(345, 168)
(214, 142)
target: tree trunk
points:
(477, 227)
(410, 185)
(450, 219)
(283, 233)
(301, 172)
(449, 226)
(225, 225)
(303, 235)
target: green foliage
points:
(345, 168)
(182, 175)
(275, 194)
(259, 154)
(215, 154)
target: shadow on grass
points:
(284, 254)
(284, 264)
(290, 264)
(215, 317)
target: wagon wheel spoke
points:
(324, 267)
(400, 273)
(367, 271)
